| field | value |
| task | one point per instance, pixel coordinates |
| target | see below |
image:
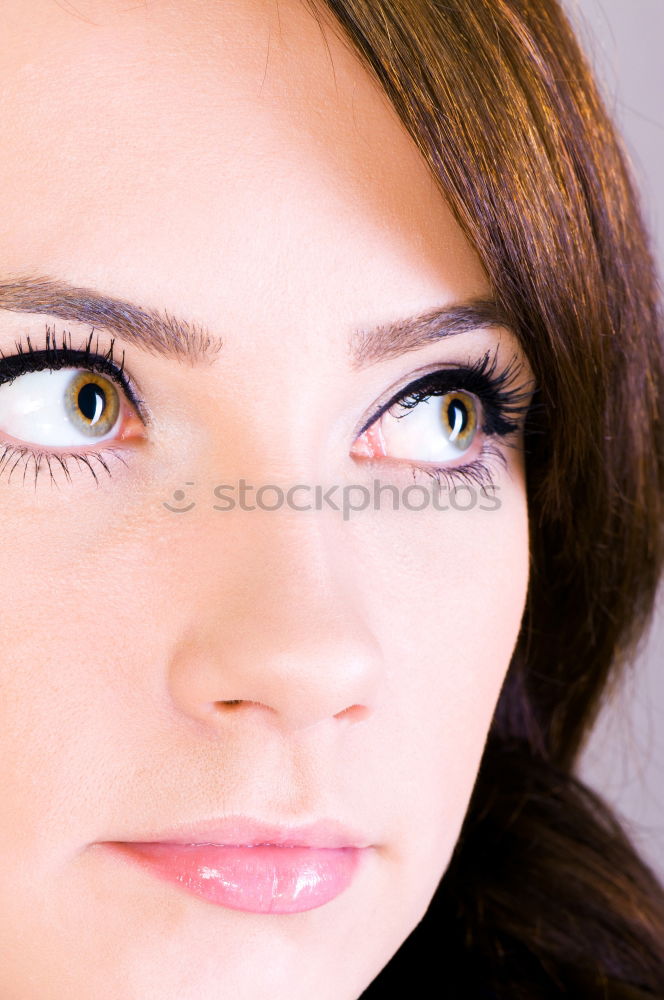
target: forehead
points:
(218, 148)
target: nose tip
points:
(265, 679)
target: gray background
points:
(624, 759)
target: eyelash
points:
(504, 401)
(50, 357)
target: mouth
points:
(248, 865)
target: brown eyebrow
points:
(389, 340)
(158, 332)
(153, 330)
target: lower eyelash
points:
(24, 455)
(478, 472)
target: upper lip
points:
(245, 831)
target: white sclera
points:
(421, 434)
(33, 410)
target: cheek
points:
(442, 593)
(448, 607)
(59, 617)
(448, 588)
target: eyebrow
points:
(390, 340)
(158, 332)
(152, 330)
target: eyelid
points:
(25, 360)
(484, 371)
(397, 390)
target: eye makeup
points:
(103, 373)
(500, 399)
(52, 358)
(481, 396)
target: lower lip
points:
(261, 879)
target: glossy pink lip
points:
(248, 865)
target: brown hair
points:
(545, 894)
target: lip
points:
(246, 864)
(245, 831)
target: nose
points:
(275, 631)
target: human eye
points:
(58, 404)
(453, 423)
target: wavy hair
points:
(545, 895)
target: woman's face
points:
(235, 166)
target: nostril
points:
(355, 713)
(233, 702)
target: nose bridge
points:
(276, 627)
(287, 564)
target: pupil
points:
(456, 406)
(91, 401)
